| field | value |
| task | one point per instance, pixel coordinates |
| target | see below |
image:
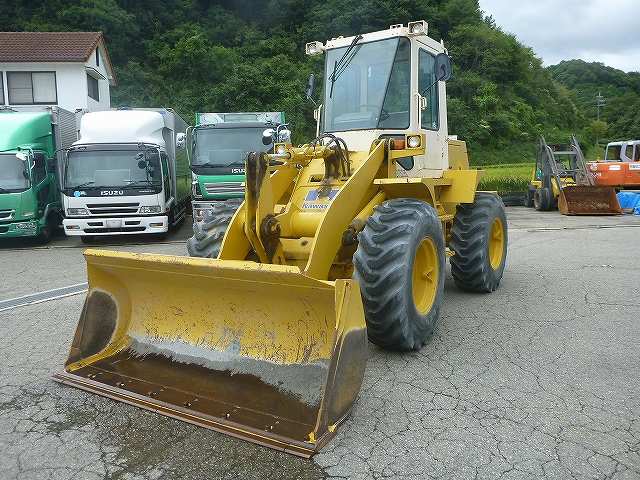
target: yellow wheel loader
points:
(267, 341)
(561, 178)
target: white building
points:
(68, 69)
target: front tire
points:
(209, 233)
(46, 232)
(400, 264)
(479, 240)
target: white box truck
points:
(127, 174)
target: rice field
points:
(507, 178)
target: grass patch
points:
(507, 178)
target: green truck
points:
(217, 145)
(32, 144)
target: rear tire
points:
(479, 240)
(400, 265)
(209, 233)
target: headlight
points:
(280, 149)
(593, 167)
(314, 48)
(413, 141)
(77, 212)
(151, 209)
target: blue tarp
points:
(630, 200)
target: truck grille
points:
(224, 188)
(6, 214)
(101, 209)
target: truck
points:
(32, 141)
(217, 145)
(268, 341)
(620, 167)
(126, 174)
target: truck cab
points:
(218, 144)
(620, 167)
(30, 203)
(126, 174)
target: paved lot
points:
(540, 379)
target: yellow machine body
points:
(267, 341)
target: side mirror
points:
(181, 140)
(154, 159)
(39, 159)
(443, 67)
(267, 136)
(284, 134)
(310, 86)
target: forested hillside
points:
(243, 55)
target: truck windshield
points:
(112, 168)
(370, 88)
(222, 147)
(14, 176)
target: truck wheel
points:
(400, 264)
(538, 200)
(45, 232)
(208, 234)
(479, 240)
(528, 198)
(543, 199)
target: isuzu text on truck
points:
(31, 143)
(127, 174)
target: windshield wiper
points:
(2, 190)
(234, 163)
(81, 185)
(343, 63)
(141, 183)
(207, 164)
(88, 186)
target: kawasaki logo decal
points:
(314, 202)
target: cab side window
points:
(426, 77)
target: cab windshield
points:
(225, 147)
(113, 168)
(369, 88)
(14, 175)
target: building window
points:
(94, 90)
(97, 58)
(1, 89)
(29, 88)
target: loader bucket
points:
(588, 200)
(257, 351)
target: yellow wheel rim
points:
(496, 243)
(425, 276)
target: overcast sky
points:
(606, 31)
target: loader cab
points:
(388, 84)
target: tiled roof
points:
(48, 46)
